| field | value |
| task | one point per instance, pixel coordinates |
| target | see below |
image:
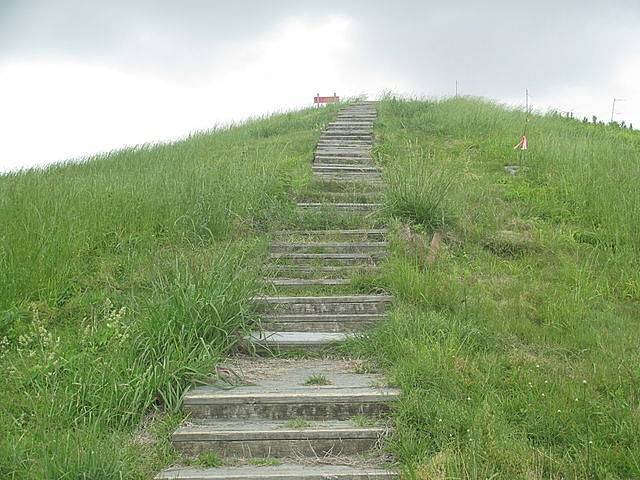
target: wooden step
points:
(346, 136)
(287, 396)
(353, 234)
(367, 121)
(348, 139)
(306, 282)
(344, 152)
(375, 180)
(321, 271)
(364, 132)
(349, 126)
(277, 439)
(322, 160)
(355, 207)
(344, 143)
(339, 304)
(280, 472)
(328, 259)
(329, 247)
(344, 168)
(266, 340)
(333, 165)
(324, 183)
(320, 323)
(343, 197)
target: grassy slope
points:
(518, 348)
(120, 282)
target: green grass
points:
(122, 280)
(297, 424)
(364, 421)
(317, 379)
(518, 348)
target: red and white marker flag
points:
(523, 144)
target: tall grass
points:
(417, 193)
(517, 349)
(123, 279)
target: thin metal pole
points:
(613, 109)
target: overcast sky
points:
(83, 76)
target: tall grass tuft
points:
(417, 190)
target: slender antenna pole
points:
(456, 88)
(613, 109)
(527, 101)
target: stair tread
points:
(344, 167)
(286, 393)
(323, 255)
(275, 429)
(278, 472)
(346, 269)
(290, 339)
(323, 316)
(284, 282)
(209, 395)
(325, 299)
(329, 244)
(338, 204)
(332, 232)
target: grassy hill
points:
(515, 338)
(518, 347)
(122, 280)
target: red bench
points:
(317, 100)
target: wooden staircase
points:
(318, 418)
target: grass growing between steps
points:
(517, 349)
(123, 280)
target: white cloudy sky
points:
(84, 76)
